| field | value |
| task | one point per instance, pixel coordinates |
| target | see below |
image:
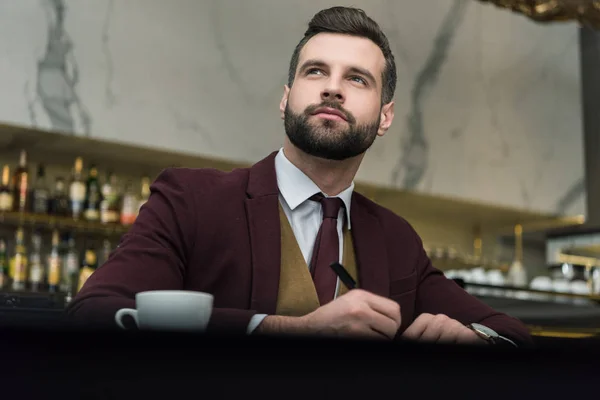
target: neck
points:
(331, 176)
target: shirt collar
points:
(296, 187)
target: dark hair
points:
(355, 22)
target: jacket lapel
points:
(370, 249)
(262, 210)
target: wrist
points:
(276, 324)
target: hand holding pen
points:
(358, 313)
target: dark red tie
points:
(326, 249)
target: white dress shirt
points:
(304, 215)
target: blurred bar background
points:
(493, 156)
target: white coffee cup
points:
(169, 310)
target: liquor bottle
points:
(88, 268)
(36, 267)
(54, 264)
(77, 189)
(4, 274)
(60, 205)
(18, 263)
(70, 268)
(145, 193)
(109, 208)
(6, 196)
(129, 211)
(40, 195)
(92, 196)
(20, 184)
(105, 253)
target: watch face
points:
(485, 330)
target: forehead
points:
(346, 51)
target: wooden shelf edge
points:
(62, 223)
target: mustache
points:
(331, 104)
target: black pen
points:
(344, 276)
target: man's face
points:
(333, 109)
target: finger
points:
(376, 334)
(435, 327)
(467, 336)
(450, 332)
(432, 332)
(416, 329)
(364, 331)
(385, 306)
(382, 323)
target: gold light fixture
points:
(586, 12)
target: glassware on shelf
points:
(130, 206)
(595, 278)
(517, 275)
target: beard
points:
(329, 139)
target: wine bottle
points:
(18, 263)
(145, 192)
(60, 204)
(92, 196)
(54, 264)
(36, 268)
(6, 196)
(4, 274)
(109, 207)
(20, 185)
(77, 189)
(39, 193)
(88, 268)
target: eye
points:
(313, 71)
(359, 80)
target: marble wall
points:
(487, 106)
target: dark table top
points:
(98, 364)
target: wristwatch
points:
(490, 335)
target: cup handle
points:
(123, 312)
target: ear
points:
(387, 116)
(284, 100)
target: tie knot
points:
(331, 205)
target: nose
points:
(332, 92)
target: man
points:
(262, 239)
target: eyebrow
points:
(356, 70)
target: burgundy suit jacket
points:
(219, 232)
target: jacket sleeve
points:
(152, 255)
(437, 294)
